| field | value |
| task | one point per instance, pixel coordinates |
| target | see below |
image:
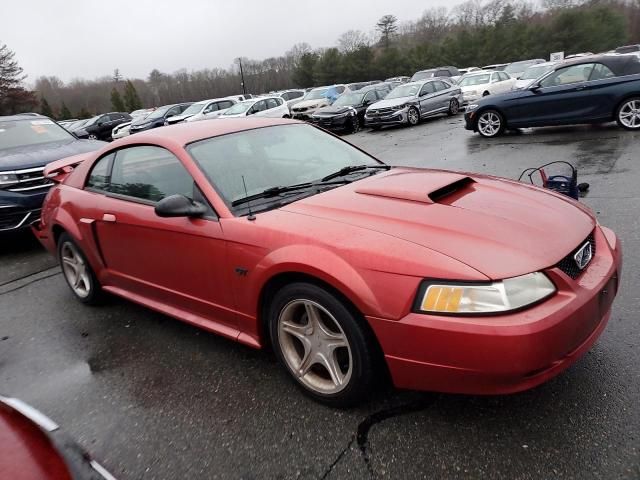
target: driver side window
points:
(427, 88)
(569, 75)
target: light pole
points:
(244, 89)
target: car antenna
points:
(251, 216)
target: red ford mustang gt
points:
(273, 232)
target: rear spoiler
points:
(59, 170)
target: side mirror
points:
(179, 206)
(534, 87)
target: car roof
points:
(618, 64)
(21, 116)
(185, 133)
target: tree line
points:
(473, 33)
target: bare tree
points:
(352, 40)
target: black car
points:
(594, 89)
(158, 117)
(27, 144)
(346, 114)
(101, 126)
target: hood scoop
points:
(432, 187)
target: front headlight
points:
(483, 298)
(472, 107)
(8, 178)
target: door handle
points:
(109, 217)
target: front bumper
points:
(20, 211)
(505, 353)
(468, 98)
(398, 117)
(333, 123)
(469, 121)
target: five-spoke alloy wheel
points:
(77, 271)
(490, 123)
(628, 114)
(322, 343)
(413, 117)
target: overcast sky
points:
(90, 38)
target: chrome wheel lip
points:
(489, 124)
(319, 344)
(629, 114)
(75, 270)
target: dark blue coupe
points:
(595, 89)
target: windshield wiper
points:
(275, 191)
(353, 168)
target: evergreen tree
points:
(304, 71)
(13, 97)
(327, 69)
(116, 101)
(64, 112)
(45, 108)
(387, 26)
(131, 99)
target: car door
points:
(258, 108)
(210, 110)
(180, 262)
(426, 98)
(173, 111)
(561, 97)
(494, 84)
(443, 95)
(507, 80)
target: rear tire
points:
(77, 272)
(323, 345)
(490, 123)
(628, 114)
(454, 107)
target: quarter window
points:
(149, 173)
(568, 75)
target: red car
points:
(274, 232)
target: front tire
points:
(628, 114)
(93, 136)
(490, 123)
(77, 272)
(355, 124)
(413, 116)
(322, 344)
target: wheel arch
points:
(621, 101)
(484, 109)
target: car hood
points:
(391, 102)
(332, 110)
(145, 121)
(499, 227)
(31, 156)
(308, 103)
(178, 118)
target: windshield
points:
(31, 132)
(535, 71)
(269, 157)
(517, 67)
(403, 91)
(159, 112)
(317, 94)
(92, 121)
(76, 125)
(349, 99)
(239, 108)
(423, 75)
(474, 80)
(193, 109)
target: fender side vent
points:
(443, 192)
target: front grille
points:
(300, 109)
(14, 217)
(29, 180)
(382, 111)
(568, 264)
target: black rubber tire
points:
(626, 100)
(96, 294)
(454, 107)
(502, 123)
(486, 94)
(414, 109)
(355, 124)
(286, 116)
(363, 349)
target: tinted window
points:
(225, 104)
(149, 173)
(271, 103)
(99, 176)
(295, 95)
(601, 71)
(427, 88)
(212, 107)
(443, 73)
(568, 75)
(259, 107)
(339, 89)
(173, 111)
(182, 108)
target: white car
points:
(533, 73)
(203, 110)
(291, 96)
(122, 130)
(480, 84)
(516, 69)
(272, 107)
(317, 98)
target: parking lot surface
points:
(151, 397)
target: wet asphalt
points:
(153, 398)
